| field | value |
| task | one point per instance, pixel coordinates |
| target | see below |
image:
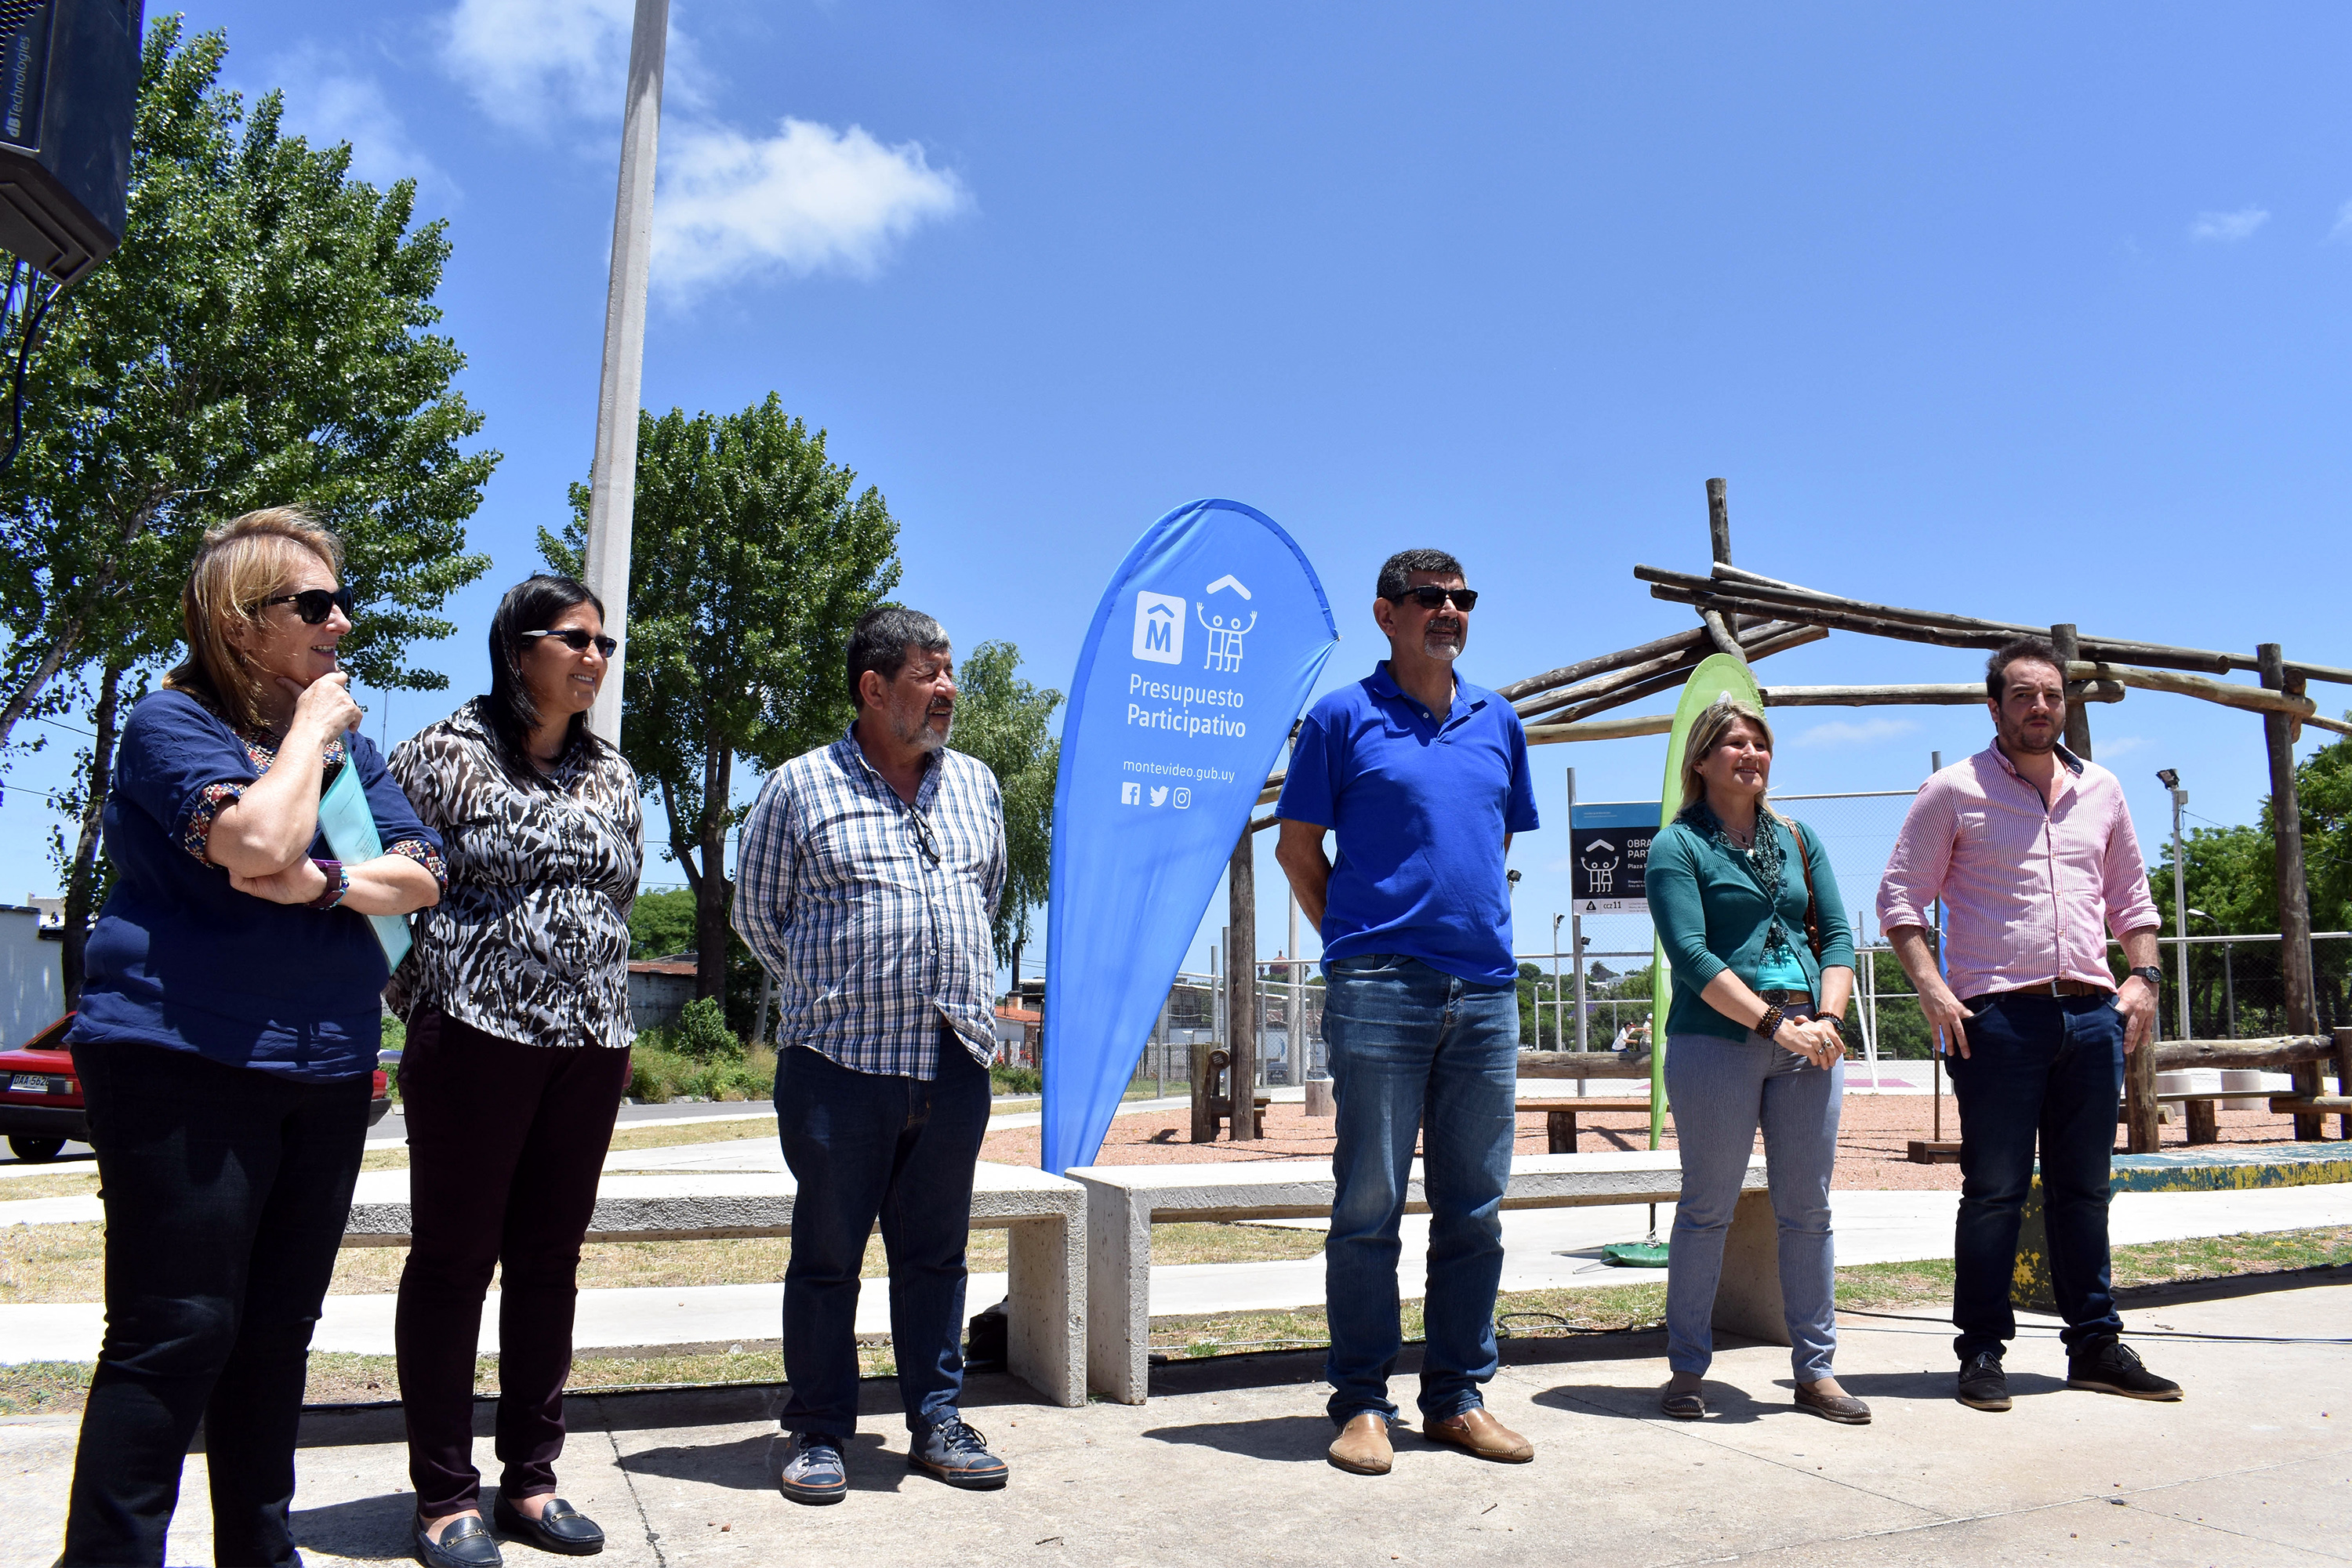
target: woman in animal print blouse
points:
(516, 996)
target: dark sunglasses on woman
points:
(577, 641)
(1429, 596)
(312, 604)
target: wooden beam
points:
(1240, 989)
(2078, 725)
(1960, 694)
(2253, 699)
(1601, 730)
(1619, 683)
(1719, 633)
(1569, 674)
(1617, 697)
(1584, 1064)
(1731, 601)
(2293, 890)
(1718, 522)
(2267, 1053)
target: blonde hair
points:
(239, 564)
(1707, 731)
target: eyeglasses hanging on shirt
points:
(925, 839)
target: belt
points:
(2058, 988)
(1787, 998)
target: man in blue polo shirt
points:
(1423, 777)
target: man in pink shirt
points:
(2032, 851)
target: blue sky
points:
(2034, 313)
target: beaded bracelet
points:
(338, 882)
(1770, 1024)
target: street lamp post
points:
(612, 478)
(2171, 779)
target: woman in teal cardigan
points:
(1752, 1040)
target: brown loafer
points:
(1481, 1435)
(1843, 1409)
(1362, 1446)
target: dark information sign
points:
(1610, 841)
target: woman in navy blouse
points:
(226, 1042)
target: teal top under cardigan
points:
(1711, 916)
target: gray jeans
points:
(1722, 1090)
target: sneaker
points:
(2115, 1368)
(1983, 1385)
(809, 1468)
(957, 1454)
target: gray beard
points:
(1444, 649)
(920, 734)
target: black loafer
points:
(560, 1527)
(466, 1543)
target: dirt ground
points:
(1873, 1138)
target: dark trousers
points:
(862, 1147)
(226, 1192)
(505, 1142)
(2052, 1067)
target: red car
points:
(40, 1098)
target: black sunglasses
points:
(312, 604)
(577, 641)
(1430, 596)
(924, 839)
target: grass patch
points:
(44, 1387)
(52, 1263)
(2212, 1257)
(80, 1183)
(663, 1135)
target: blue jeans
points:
(1722, 1090)
(864, 1146)
(1415, 1051)
(2051, 1065)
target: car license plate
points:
(28, 1083)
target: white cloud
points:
(2107, 748)
(2229, 227)
(531, 62)
(808, 199)
(333, 103)
(1857, 731)
(2343, 229)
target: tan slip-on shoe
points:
(1362, 1446)
(1481, 1435)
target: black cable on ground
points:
(2135, 1333)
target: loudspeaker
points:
(69, 91)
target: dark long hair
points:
(530, 606)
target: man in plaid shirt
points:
(869, 873)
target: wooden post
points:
(2142, 1113)
(2078, 716)
(2294, 891)
(1241, 986)
(2344, 1077)
(1204, 1076)
(1718, 521)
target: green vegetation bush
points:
(658, 1073)
(701, 1032)
(1012, 1079)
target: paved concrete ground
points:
(1225, 1464)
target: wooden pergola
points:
(1749, 617)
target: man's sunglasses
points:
(1429, 596)
(578, 641)
(312, 604)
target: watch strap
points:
(339, 883)
(2151, 974)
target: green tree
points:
(661, 924)
(259, 339)
(752, 558)
(1002, 719)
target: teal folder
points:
(349, 827)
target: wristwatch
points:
(2151, 974)
(338, 882)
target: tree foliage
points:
(1002, 719)
(752, 555)
(259, 339)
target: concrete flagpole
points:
(613, 481)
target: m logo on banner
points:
(1160, 628)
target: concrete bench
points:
(1123, 1202)
(2205, 1170)
(1560, 1113)
(1046, 1216)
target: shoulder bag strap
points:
(1813, 899)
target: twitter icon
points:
(1160, 795)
